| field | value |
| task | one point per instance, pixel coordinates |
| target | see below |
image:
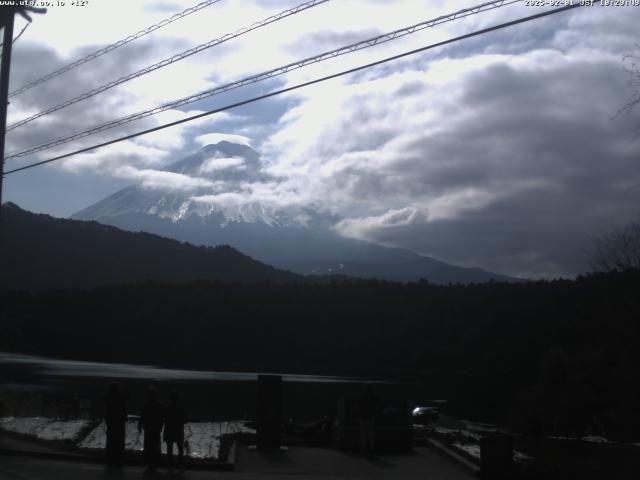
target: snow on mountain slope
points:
(220, 206)
(228, 168)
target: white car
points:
(425, 415)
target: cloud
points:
(124, 160)
(236, 206)
(110, 159)
(215, 164)
(363, 228)
(269, 202)
(163, 180)
(213, 138)
(507, 161)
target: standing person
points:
(115, 419)
(175, 418)
(151, 420)
(368, 406)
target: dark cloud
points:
(37, 60)
(536, 143)
(541, 232)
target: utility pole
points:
(7, 15)
(7, 21)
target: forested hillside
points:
(40, 251)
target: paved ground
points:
(296, 463)
(15, 443)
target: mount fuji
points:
(299, 238)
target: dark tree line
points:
(560, 356)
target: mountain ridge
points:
(299, 238)
(38, 251)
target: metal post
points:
(4, 90)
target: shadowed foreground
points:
(297, 462)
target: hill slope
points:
(40, 251)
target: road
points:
(296, 463)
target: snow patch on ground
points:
(596, 439)
(203, 438)
(472, 449)
(419, 426)
(97, 438)
(482, 427)
(44, 428)
(454, 431)
(587, 438)
(519, 456)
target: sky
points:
(506, 151)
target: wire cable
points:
(268, 74)
(298, 86)
(17, 36)
(21, 32)
(170, 60)
(113, 46)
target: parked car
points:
(425, 415)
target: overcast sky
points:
(504, 151)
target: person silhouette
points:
(151, 420)
(175, 418)
(115, 418)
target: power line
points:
(268, 74)
(21, 32)
(113, 46)
(300, 85)
(170, 60)
(17, 36)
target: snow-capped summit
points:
(216, 196)
(222, 161)
(222, 177)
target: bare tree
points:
(618, 249)
(633, 69)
